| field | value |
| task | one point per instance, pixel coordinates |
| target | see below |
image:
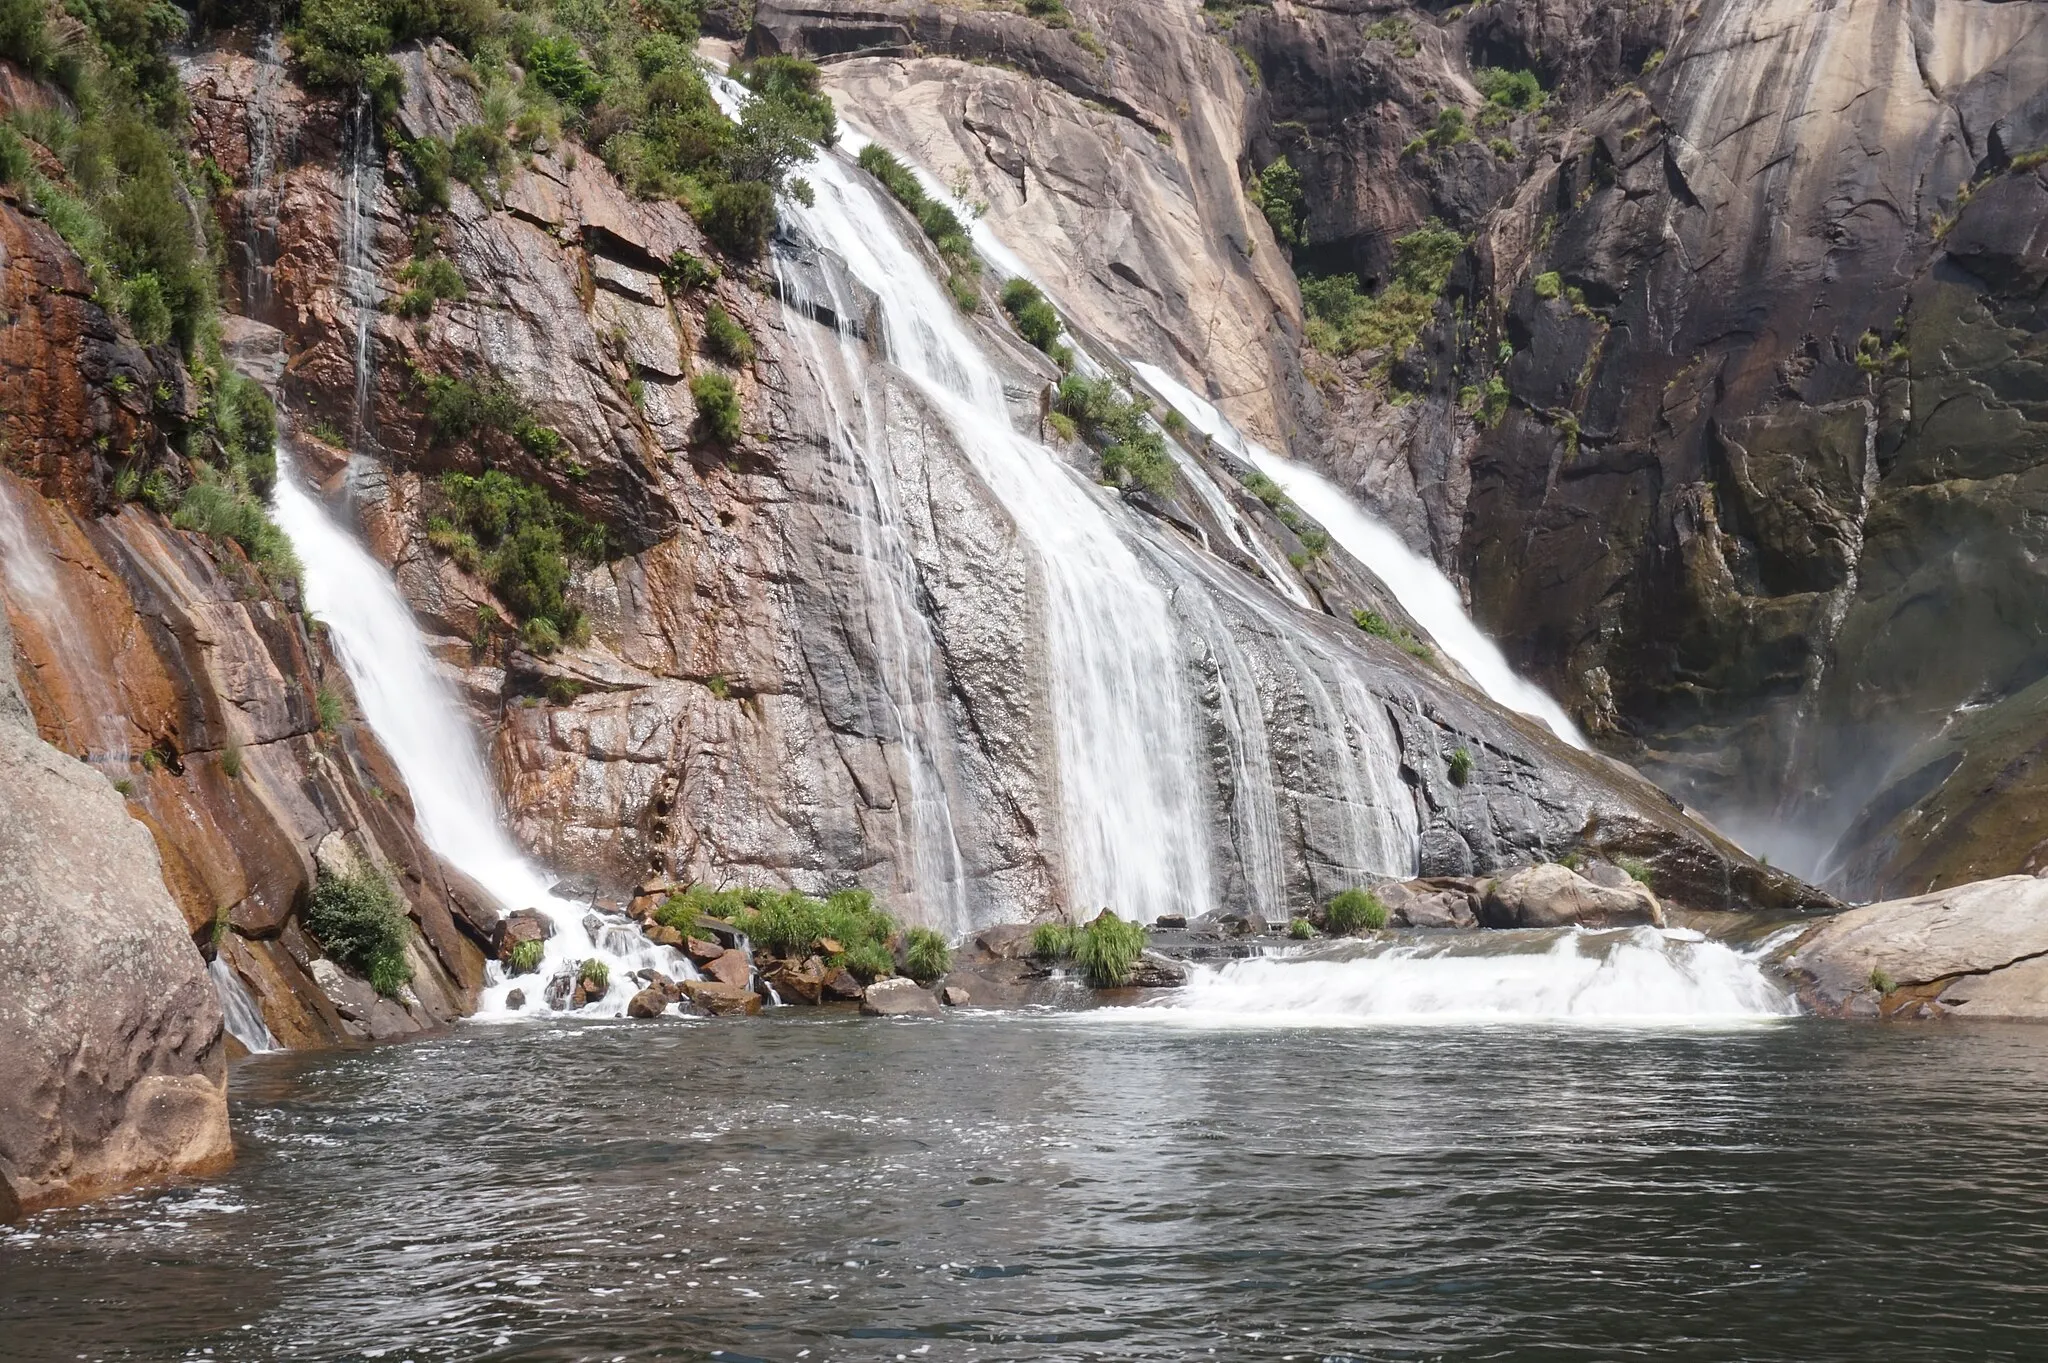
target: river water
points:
(1075, 1186)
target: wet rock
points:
(897, 997)
(1553, 896)
(1975, 950)
(1154, 971)
(516, 1000)
(841, 984)
(732, 967)
(664, 936)
(702, 951)
(802, 981)
(522, 925)
(113, 1069)
(560, 989)
(1170, 920)
(953, 996)
(1437, 902)
(650, 1002)
(1004, 941)
(720, 999)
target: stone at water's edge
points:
(1975, 951)
(722, 1000)
(1554, 896)
(114, 1071)
(897, 997)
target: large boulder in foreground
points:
(897, 997)
(113, 1067)
(1977, 951)
(1554, 896)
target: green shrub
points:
(1054, 941)
(231, 762)
(1133, 452)
(525, 957)
(725, 338)
(358, 921)
(1881, 980)
(1300, 929)
(1460, 766)
(1396, 30)
(926, 956)
(793, 84)
(1344, 320)
(1518, 90)
(1276, 192)
(939, 222)
(15, 162)
(738, 216)
(1548, 284)
(1450, 128)
(431, 279)
(25, 35)
(557, 65)
(1354, 910)
(225, 510)
(522, 542)
(1036, 320)
(1107, 949)
(1638, 870)
(686, 273)
(718, 406)
(328, 709)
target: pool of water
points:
(1065, 1186)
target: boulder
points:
(559, 990)
(841, 984)
(650, 1002)
(1553, 896)
(732, 967)
(1005, 941)
(799, 981)
(1978, 950)
(516, 1000)
(953, 996)
(664, 936)
(522, 925)
(1436, 902)
(1154, 971)
(897, 997)
(1170, 920)
(702, 951)
(113, 1063)
(720, 999)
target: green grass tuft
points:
(926, 955)
(1354, 910)
(1107, 949)
(359, 922)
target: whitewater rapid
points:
(1627, 976)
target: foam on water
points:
(1632, 976)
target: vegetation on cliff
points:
(358, 921)
(520, 540)
(939, 222)
(1343, 320)
(1133, 451)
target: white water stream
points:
(411, 705)
(1625, 976)
(1419, 585)
(244, 1019)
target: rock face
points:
(1975, 951)
(1553, 896)
(113, 1072)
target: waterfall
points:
(1419, 585)
(1625, 976)
(413, 710)
(259, 204)
(244, 1020)
(40, 595)
(358, 258)
(1133, 822)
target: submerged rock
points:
(1978, 950)
(720, 999)
(897, 997)
(953, 996)
(1554, 896)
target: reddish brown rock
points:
(722, 1000)
(734, 967)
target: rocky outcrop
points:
(897, 997)
(1975, 951)
(114, 1069)
(1554, 896)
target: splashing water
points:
(411, 706)
(244, 1020)
(1633, 976)
(1419, 585)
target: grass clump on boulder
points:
(926, 955)
(1133, 451)
(1355, 910)
(1107, 949)
(844, 929)
(726, 339)
(359, 923)
(1052, 942)
(521, 541)
(525, 957)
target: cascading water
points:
(1624, 976)
(244, 1019)
(1130, 797)
(36, 590)
(260, 199)
(358, 262)
(1419, 585)
(416, 716)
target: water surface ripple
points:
(1043, 1188)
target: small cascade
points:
(358, 259)
(1636, 976)
(1131, 798)
(96, 718)
(258, 245)
(411, 705)
(1419, 585)
(244, 1020)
